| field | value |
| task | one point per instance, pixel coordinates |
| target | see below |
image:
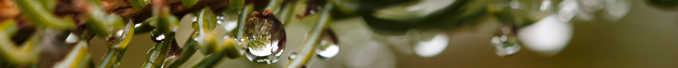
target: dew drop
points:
(292, 56)
(266, 38)
(506, 43)
(328, 46)
(220, 19)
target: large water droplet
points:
(266, 38)
(328, 46)
(507, 43)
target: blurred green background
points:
(645, 38)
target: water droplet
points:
(220, 19)
(266, 38)
(292, 56)
(506, 43)
(328, 46)
(195, 35)
(503, 48)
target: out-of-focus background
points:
(646, 37)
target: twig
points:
(35, 12)
(308, 47)
(188, 50)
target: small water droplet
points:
(195, 35)
(220, 19)
(292, 56)
(507, 42)
(504, 48)
(266, 39)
